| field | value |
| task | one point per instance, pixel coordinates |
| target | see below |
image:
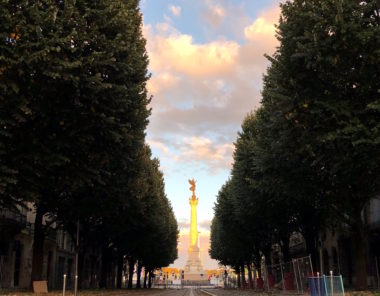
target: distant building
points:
(336, 248)
(16, 248)
(16, 251)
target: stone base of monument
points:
(195, 277)
(193, 270)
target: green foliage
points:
(156, 231)
(311, 153)
(73, 113)
(228, 243)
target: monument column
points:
(193, 269)
(193, 221)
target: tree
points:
(282, 176)
(228, 241)
(321, 82)
(73, 77)
(253, 200)
(312, 148)
(159, 243)
(147, 220)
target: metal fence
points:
(289, 277)
(326, 286)
(374, 273)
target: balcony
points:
(50, 233)
(12, 216)
(11, 222)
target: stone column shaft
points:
(193, 222)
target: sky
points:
(206, 58)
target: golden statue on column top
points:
(192, 188)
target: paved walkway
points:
(124, 292)
(230, 292)
(150, 292)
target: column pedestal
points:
(193, 269)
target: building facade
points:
(336, 249)
(16, 251)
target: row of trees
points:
(309, 157)
(73, 113)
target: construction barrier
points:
(326, 285)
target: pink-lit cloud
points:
(214, 13)
(203, 150)
(171, 51)
(175, 10)
(263, 26)
(203, 88)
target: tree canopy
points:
(309, 156)
(73, 113)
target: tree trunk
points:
(139, 267)
(120, 263)
(267, 252)
(38, 246)
(257, 262)
(360, 247)
(131, 264)
(81, 257)
(145, 277)
(255, 274)
(285, 248)
(250, 276)
(243, 276)
(237, 270)
(104, 271)
(150, 279)
(311, 239)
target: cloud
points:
(178, 53)
(203, 150)
(206, 224)
(214, 13)
(183, 224)
(263, 27)
(224, 18)
(162, 81)
(157, 144)
(260, 38)
(203, 226)
(175, 10)
(259, 27)
(202, 91)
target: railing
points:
(288, 277)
